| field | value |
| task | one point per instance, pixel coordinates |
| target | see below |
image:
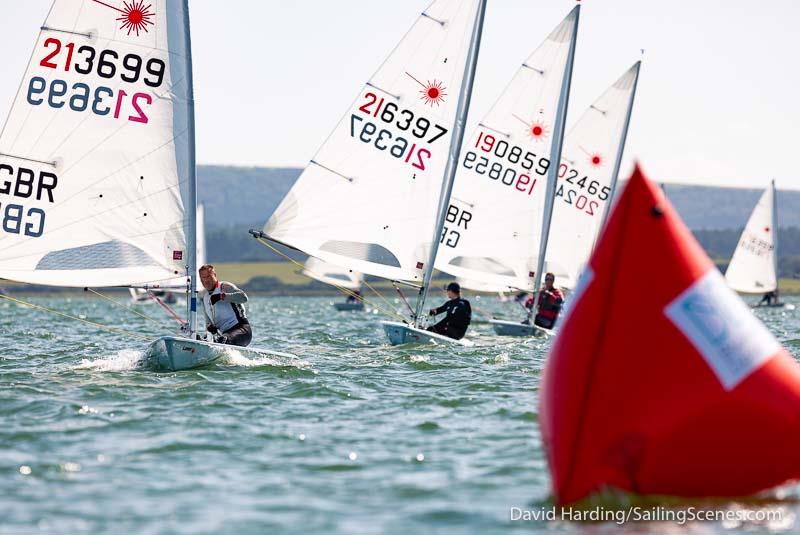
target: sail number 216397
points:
(410, 144)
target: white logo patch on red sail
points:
(722, 328)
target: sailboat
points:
(491, 236)
(753, 269)
(587, 179)
(97, 160)
(339, 277)
(588, 174)
(394, 151)
(505, 187)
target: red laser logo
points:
(535, 129)
(594, 158)
(432, 92)
(136, 17)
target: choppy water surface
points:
(353, 436)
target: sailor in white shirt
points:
(223, 306)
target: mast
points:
(192, 201)
(618, 161)
(555, 160)
(464, 97)
(775, 234)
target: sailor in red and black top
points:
(549, 305)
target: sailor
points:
(354, 297)
(223, 306)
(769, 298)
(459, 314)
(549, 305)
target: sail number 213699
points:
(90, 64)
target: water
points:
(351, 437)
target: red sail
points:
(661, 380)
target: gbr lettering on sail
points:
(22, 183)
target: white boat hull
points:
(787, 306)
(400, 333)
(348, 306)
(173, 353)
(515, 328)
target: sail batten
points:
(333, 275)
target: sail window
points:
(368, 252)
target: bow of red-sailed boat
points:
(661, 381)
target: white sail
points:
(753, 266)
(494, 219)
(368, 200)
(586, 179)
(95, 155)
(479, 286)
(334, 275)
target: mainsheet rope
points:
(152, 296)
(92, 323)
(130, 308)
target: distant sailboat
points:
(97, 161)
(753, 269)
(394, 152)
(339, 277)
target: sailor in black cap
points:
(459, 314)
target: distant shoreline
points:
(284, 279)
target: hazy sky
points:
(718, 99)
